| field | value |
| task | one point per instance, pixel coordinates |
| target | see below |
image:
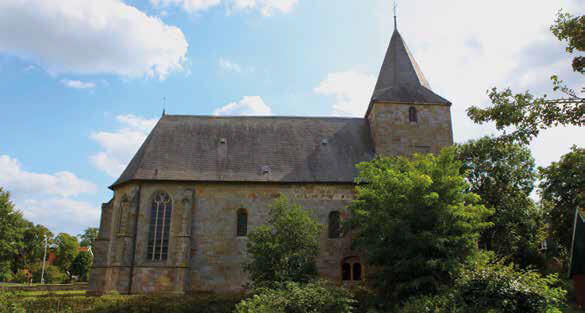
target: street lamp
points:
(44, 257)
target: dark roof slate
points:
(401, 79)
(252, 149)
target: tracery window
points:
(334, 225)
(242, 223)
(412, 115)
(160, 225)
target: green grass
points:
(46, 293)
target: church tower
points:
(405, 115)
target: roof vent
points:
(265, 170)
(223, 141)
(324, 142)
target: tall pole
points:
(44, 257)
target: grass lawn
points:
(46, 293)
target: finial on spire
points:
(164, 99)
(395, 8)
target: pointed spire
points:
(401, 79)
(395, 23)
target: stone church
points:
(182, 208)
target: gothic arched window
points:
(334, 225)
(351, 269)
(160, 225)
(242, 223)
(412, 115)
(357, 271)
(346, 271)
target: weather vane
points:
(395, 9)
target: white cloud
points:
(266, 7)
(119, 146)
(247, 106)
(91, 37)
(228, 65)
(352, 90)
(77, 84)
(63, 183)
(47, 198)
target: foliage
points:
(21, 276)
(299, 298)
(88, 237)
(572, 29)
(494, 287)
(11, 232)
(563, 185)
(7, 305)
(416, 221)
(33, 247)
(123, 304)
(5, 271)
(81, 265)
(67, 250)
(53, 274)
(503, 175)
(508, 289)
(528, 114)
(285, 249)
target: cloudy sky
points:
(82, 82)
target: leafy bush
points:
(505, 288)
(299, 298)
(52, 274)
(285, 249)
(9, 306)
(495, 288)
(21, 277)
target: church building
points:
(182, 209)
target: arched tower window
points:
(160, 225)
(334, 225)
(346, 271)
(412, 115)
(242, 223)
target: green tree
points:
(12, 226)
(33, 247)
(81, 265)
(285, 249)
(67, 249)
(416, 222)
(563, 187)
(503, 175)
(88, 237)
(526, 113)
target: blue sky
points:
(82, 82)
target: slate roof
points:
(401, 79)
(252, 149)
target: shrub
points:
(299, 298)
(52, 274)
(9, 306)
(285, 249)
(21, 277)
(508, 289)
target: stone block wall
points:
(394, 134)
(205, 253)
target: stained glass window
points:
(334, 227)
(242, 223)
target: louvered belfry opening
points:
(160, 225)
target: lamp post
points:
(44, 257)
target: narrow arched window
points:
(357, 271)
(160, 225)
(242, 223)
(412, 115)
(346, 271)
(123, 215)
(334, 225)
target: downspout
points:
(135, 240)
